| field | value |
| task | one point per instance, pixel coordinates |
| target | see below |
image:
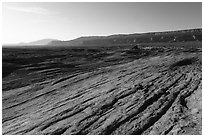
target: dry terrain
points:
(109, 90)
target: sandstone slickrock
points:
(152, 95)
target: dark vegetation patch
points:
(8, 68)
(184, 62)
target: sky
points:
(25, 22)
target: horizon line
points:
(105, 35)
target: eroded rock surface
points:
(152, 95)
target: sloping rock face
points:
(151, 95)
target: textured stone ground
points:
(152, 95)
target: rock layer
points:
(151, 95)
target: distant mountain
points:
(128, 39)
(75, 42)
(124, 39)
(39, 42)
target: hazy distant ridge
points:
(123, 39)
(153, 37)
